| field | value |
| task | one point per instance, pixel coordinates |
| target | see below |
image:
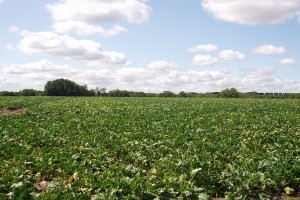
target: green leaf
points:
(288, 190)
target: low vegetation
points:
(147, 148)
(65, 87)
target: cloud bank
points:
(253, 12)
(231, 55)
(203, 47)
(287, 61)
(204, 60)
(268, 49)
(158, 76)
(49, 43)
(76, 15)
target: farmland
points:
(147, 148)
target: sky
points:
(151, 45)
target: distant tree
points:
(167, 94)
(118, 93)
(182, 94)
(8, 93)
(294, 96)
(151, 94)
(137, 94)
(92, 92)
(101, 91)
(30, 92)
(65, 87)
(83, 90)
(229, 93)
(212, 94)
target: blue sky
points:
(151, 46)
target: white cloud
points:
(8, 85)
(204, 60)
(161, 65)
(36, 74)
(259, 73)
(2, 79)
(252, 12)
(205, 47)
(151, 79)
(83, 28)
(110, 58)
(65, 46)
(16, 30)
(87, 13)
(231, 55)
(134, 11)
(287, 61)
(39, 67)
(269, 50)
(261, 80)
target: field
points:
(147, 148)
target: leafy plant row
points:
(147, 148)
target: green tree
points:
(167, 94)
(101, 91)
(229, 93)
(8, 93)
(118, 93)
(30, 92)
(182, 94)
(65, 87)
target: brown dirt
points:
(18, 111)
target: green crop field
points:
(148, 148)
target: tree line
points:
(65, 87)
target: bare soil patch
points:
(18, 111)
